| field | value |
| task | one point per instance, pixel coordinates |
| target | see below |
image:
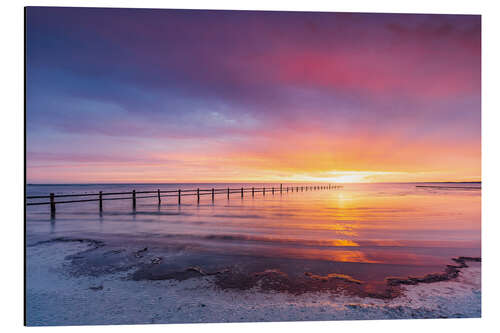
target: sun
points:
(352, 178)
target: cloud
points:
(282, 90)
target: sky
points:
(140, 95)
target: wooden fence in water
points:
(134, 195)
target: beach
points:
(389, 251)
(55, 297)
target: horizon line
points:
(251, 182)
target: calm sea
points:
(368, 229)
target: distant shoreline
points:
(194, 183)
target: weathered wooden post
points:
(213, 194)
(281, 188)
(52, 205)
(263, 191)
(198, 194)
(228, 193)
(273, 190)
(159, 197)
(179, 198)
(133, 200)
(287, 188)
(100, 201)
(253, 190)
(242, 192)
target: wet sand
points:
(83, 281)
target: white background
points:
(12, 157)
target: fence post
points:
(213, 194)
(287, 188)
(242, 192)
(253, 190)
(273, 190)
(228, 193)
(281, 188)
(159, 197)
(263, 191)
(179, 199)
(52, 205)
(198, 194)
(100, 201)
(133, 199)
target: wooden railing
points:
(134, 195)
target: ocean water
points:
(366, 231)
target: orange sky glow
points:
(258, 97)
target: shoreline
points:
(56, 294)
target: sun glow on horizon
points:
(348, 176)
(399, 104)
